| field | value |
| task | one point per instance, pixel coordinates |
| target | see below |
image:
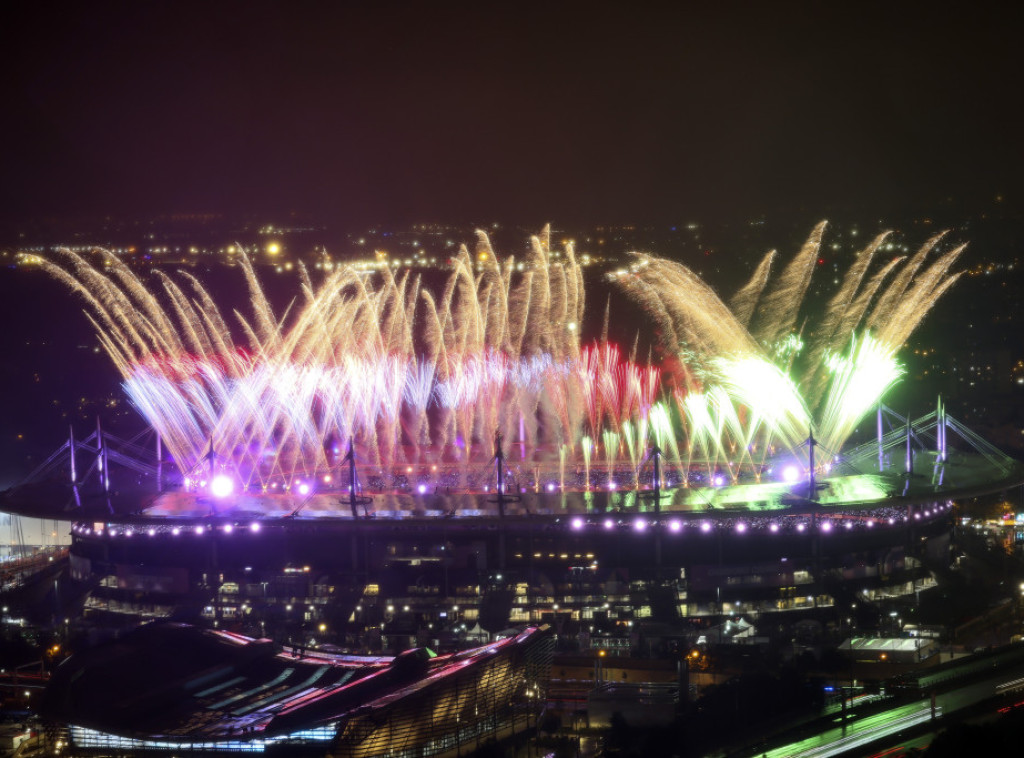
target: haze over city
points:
(365, 114)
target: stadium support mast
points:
(940, 430)
(881, 450)
(101, 457)
(656, 455)
(353, 498)
(71, 454)
(499, 473)
(910, 448)
(159, 464)
(811, 481)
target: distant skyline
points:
(390, 113)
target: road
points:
(861, 731)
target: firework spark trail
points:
(702, 323)
(737, 434)
(859, 378)
(214, 322)
(777, 312)
(698, 327)
(701, 428)
(108, 303)
(663, 430)
(409, 374)
(167, 336)
(588, 369)
(907, 314)
(625, 390)
(855, 313)
(824, 334)
(745, 301)
(322, 332)
(890, 298)
(610, 441)
(769, 393)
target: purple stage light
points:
(773, 527)
(675, 526)
(199, 530)
(222, 485)
(741, 527)
(826, 526)
(577, 523)
(705, 526)
(639, 524)
(254, 526)
(609, 524)
(422, 489)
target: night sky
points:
(365, 113)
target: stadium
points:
(387, 468)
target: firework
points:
(768, 384)
(409, 375)
(414, 377)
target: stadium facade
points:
(170, 688)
